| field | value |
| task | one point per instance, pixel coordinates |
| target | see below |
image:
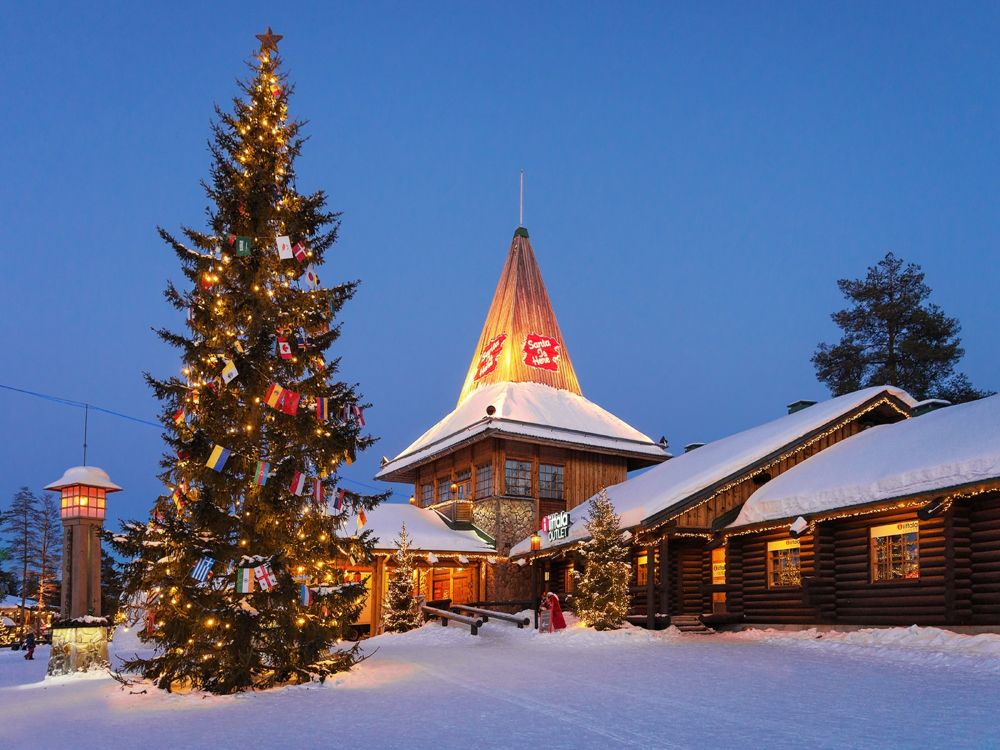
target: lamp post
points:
(80, 640)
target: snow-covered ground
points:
(441, 688)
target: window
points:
(518, 478)
(427, 494)
(894, 551)
(484, 481)
(719, 565)
(783, 563)
(550, 482)
(569, 579)
(642, 570)
(463, 480)
(444, 490)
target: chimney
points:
(799, 406)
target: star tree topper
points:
(269, 40)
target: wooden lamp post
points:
(80, 639)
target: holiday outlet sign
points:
(489, 358)
(556, 526)
(541, 352)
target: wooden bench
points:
(486, 614)
(444, 615)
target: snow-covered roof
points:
(670, 484)
(12, 602)
(426, 528)
(531, 410)
(946, 448)
(88, 475)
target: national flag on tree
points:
(179, 417)
(284, 247)
(322, 408)
(274, 395)
(260, 474)
(311, 278)
(202, 568)
(217, 459)
(244, 580)
(300, 252)
(284, 348)
(359, 415)
(229, 371)
(318, 492)
(302, 338)
(298, 483)
(362, 518)
(290, 402)
(305, 595)
(244, 246)
(338, 504)
(265, 577)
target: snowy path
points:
(441, 688)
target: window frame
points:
(487, 471)
(904, 529)
(773, 552)
(507, 475)
(562, 481)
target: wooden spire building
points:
(522, 442)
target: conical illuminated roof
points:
(521, 341)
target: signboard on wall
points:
(556, 525)
(489, 358)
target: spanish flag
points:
(260, 473)
(273, 397)
(217, 460)
(322, 408)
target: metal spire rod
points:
(520, 216)
(86, 414)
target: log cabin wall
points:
(754, 595)
(685, 560)
(984, 568)
(859, 600)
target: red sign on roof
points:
(541, 352)
(490, 356)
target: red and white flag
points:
(300, 252)
(310, 277)
(265, 577)
(318, 492)
(298, 483)
(284, 348)
(359, 415)
(284, 247)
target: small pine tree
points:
(49, 549)
(19, 522)
(602, 598)
(402, 611)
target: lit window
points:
(484, 481)
(894, 551)
(518, 478)
(550, 482)
(784, 567)
(719, 565)
(642, 570)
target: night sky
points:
(696, 181)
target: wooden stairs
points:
(690, 624)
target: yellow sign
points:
(896, 529)
(783, 544)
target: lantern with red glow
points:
(536, 542)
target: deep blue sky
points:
(697, 179)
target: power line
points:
(86, 406)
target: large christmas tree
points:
(602, 598)
(238, 562)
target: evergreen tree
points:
(238, 448)
(402, 610)
(112, 586)
(602, 598)
(19, 523)
(49, 549)
(894, 336)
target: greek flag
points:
(202, 569)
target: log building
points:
(523, 442)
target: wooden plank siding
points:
(686, 563)
(749, 591)
(984, 560)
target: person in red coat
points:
(557, 619)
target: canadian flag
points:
(284, 348)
